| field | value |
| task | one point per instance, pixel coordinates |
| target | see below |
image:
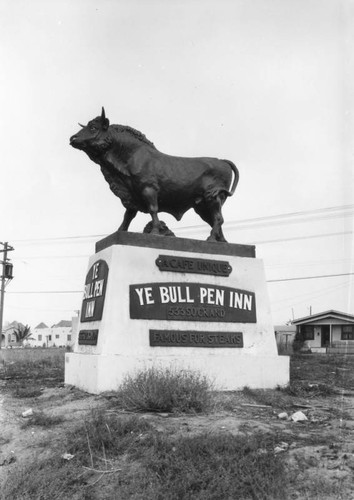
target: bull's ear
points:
(104, 120)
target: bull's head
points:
(92, 136)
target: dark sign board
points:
(178, 338)
(192, 302)
(94, 293)
(88, 337)
(193, 265)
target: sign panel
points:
(88, 337)
(94, 293)
(193, 265)
(178, 338)
(192, 302)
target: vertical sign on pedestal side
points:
(94, 293)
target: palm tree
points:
(22, 333)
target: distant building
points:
(8, 337)
(284, 336)
(329, 332)
(58, 335)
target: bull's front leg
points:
(150, 197)
(128, 217)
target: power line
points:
(260, 242)
(279, 218)
(268, 281)
(46, 291)
(267, 220)
(313, 294)
(294, 238)
(310, 277)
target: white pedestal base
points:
(119, 342)
(99, 373)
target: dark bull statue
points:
(149, 181)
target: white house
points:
(329, 331)
(8, 337)
(59, 335)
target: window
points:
(347, 332)
(49, 337)
(39, 337)
(69, 338)
(57, 336)
(308, 332)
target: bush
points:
(165, 390)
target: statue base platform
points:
(153, 301)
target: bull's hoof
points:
(219, 239)
(162, 230)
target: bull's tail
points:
(235, 180)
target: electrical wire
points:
(329, 212)
(268, 281)
(309, 277)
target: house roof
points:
(331, 314)
(41, 325)
(285, 328)
(63, 324)
(15, 324)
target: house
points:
(58, 335)
(8, 337)
(329, 332)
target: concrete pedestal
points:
(160, 301)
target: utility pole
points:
(6, 277)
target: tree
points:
(22, 333)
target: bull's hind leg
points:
(210, 211)
(216, 233)
(128, 217)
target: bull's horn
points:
(82, 126)
(104, 120)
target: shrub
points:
(165, 390)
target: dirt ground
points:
(320, 448)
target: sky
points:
(267, 84)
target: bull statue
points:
(149, 181)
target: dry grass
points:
(23, 368)
(40, 419)
(124, 457)
(117, 455)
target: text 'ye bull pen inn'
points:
(190, 302)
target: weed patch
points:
(156, 465)
(26, 391)
(215, 466)
(46, 365)
(39, 418)
(51, 478)
(308, 390)
(165, 390)
(106, 435)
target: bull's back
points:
(181, 181)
